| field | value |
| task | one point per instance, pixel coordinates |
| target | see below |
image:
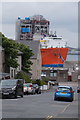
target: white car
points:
(25, 88)
(29, 89)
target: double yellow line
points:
(49, 117)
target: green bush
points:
(24, 76)
(44, 80)
(37, 82)
(40, 82)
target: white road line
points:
(63, 110)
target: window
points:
(53, 74)
(11, 73)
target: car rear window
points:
(63, 89)
(25, 85)
(28, 85)
(35, 85)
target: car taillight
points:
(56, 90)
(70, 91)
(24, 87)
(30, 85)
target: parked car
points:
(78, 89)
(11, 88)
(25, 88)
(37, 88)
(30, 88)
(64, 92)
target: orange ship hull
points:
(53, 57)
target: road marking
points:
(54, 116)
(49, 117)
(63, 110)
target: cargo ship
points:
(53, 51)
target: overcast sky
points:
(63, 17)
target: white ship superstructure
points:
(53, 42)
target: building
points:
(55, 74)
(72, 64)
(36, 58)
(24, 29)
(29, 31)
(30, 27)
(4, 74)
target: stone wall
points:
(36, 66)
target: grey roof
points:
(34, 46)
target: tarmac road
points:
(40, 106)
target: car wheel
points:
(15, 96)
(40, 92)
(21, 96)
(37, 92)
(55, 98)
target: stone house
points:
(36, 58)
(4, 74)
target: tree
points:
(27, 53)
(11, 50)
(24, 76)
